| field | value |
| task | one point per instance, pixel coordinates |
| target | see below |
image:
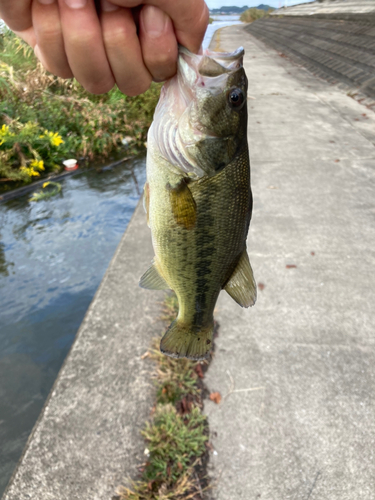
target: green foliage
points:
(178, 385)
(176, 377)
(33, 101)
(253, 14)
(15, 52)
(29, 148)
(173, 441)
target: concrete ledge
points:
(87, 439)
(339, 51)
(331, 9)
(364, 18)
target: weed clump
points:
(250, 15)
(177, 436)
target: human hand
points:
(130, 42)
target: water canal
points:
(53, 256)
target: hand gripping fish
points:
(197, 196)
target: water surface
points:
(219, 22)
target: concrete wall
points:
(339, 9)
(337, 50)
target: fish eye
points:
(236, 98)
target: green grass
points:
(177, 435)
(34, 105)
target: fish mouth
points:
(194, 68)
(173, 129)
(227, 61)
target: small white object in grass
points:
(127, 140)
(146, 452)
(70, 164)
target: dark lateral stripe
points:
(205, 249)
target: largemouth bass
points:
(197, 196)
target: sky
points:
(214, 4)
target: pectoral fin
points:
(152, 280)
(183, 205)
(241, 285)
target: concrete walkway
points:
(297, 371)
(299, 368)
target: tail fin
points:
(181, 342)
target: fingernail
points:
(154, 20)
(76, 4)
(46, 2)
(108, 6)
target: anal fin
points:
(241, 285)
(152, 280)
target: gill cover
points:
(200, 122)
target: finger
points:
(190, 20)
(189, 17)
(158, 42)
(16, 14)
(50, 48)
(28, 36)
(123, 49)
(84, 45)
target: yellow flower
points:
(37, 164)
(4, 130)
(54, 138)
(30, 171)
(45, 184)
